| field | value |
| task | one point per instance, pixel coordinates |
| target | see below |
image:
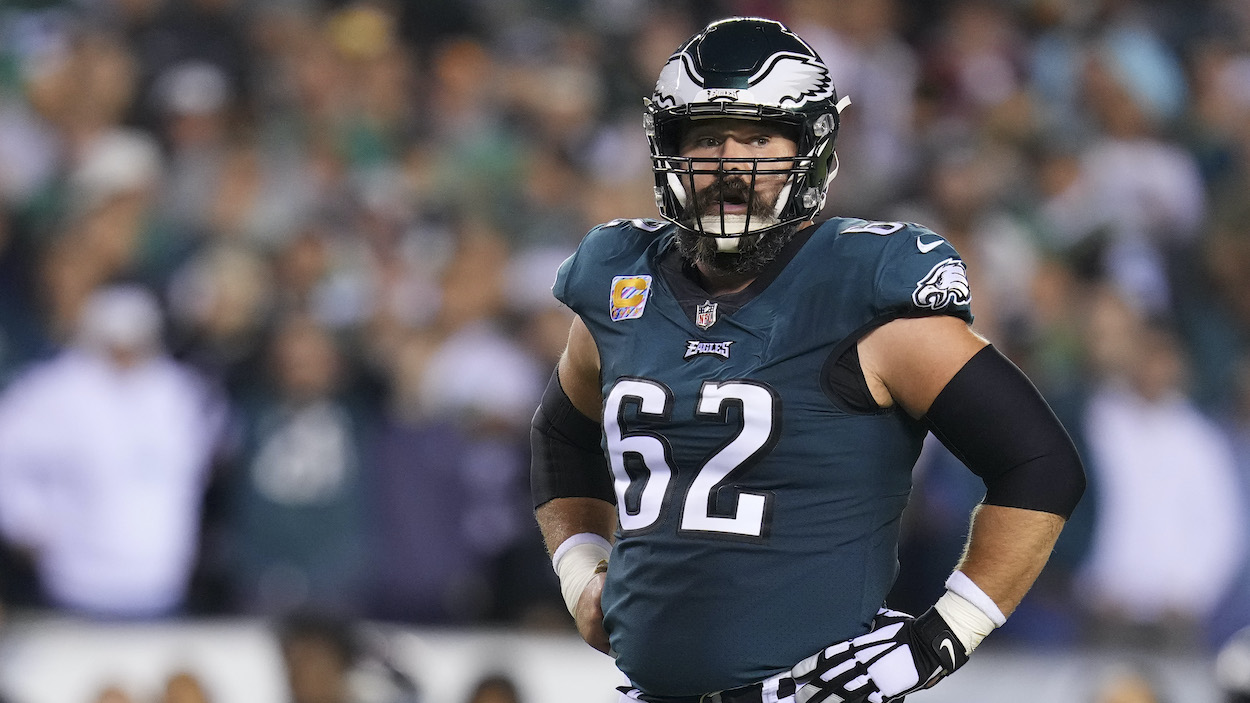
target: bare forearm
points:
(562, 518)
(1007, 549)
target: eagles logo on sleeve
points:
(946, 284)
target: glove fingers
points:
(821, 661)
(811, 693)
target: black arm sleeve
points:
(566, 458)
(994, 420)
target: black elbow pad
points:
(996, 422)
(567, 460)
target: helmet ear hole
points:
(823, 126)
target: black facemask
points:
(754, 252)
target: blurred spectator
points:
(1135, 198)
(1234, 611)
(481, 376)
(295, 523)
(220, 302)
(1232, 668)
(555, 198)
(495, 688)
(80, 82)
(1171, 527)
(434, 570)
(184, 687)
(1215, 129)
(22, 333)
(110, 207)
(319, 653)
(1214, 308)
(1127, 684)
(193, 102)
(974, 64)
(113, 694)
(475, 151)
(860, 42)
(964, 199)
(104, 454)
(478, 371)
(329, 660)
(165, 33)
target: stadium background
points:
(350, 213)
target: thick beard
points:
(754, 251)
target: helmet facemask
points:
(764, 185)
(705, 210)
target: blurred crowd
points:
(275, 307)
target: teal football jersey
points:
(758, 516)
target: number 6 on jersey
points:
(641, 498)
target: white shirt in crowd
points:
(1171, 526)
(102, 470)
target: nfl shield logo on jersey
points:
(629, 297)
(705, 314)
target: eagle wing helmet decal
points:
(678, 83)
(787, 80)
(791, 80)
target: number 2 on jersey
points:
(641, 498)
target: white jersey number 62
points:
(641, 498)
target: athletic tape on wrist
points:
(970, 613)
(959, 583)
(576, 561)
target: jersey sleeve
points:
(921, 274)
(583, 281)
(560, 288)
(570, 284)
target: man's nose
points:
(735, 155)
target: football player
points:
(722, 457)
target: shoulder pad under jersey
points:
(919, 272)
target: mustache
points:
(733, 190)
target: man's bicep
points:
(579, 371)
(909, 361)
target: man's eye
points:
(761, 141)
(707, 142)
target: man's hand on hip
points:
(900, 655)
(589, 614)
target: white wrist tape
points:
(970, 613)
(576, 562)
